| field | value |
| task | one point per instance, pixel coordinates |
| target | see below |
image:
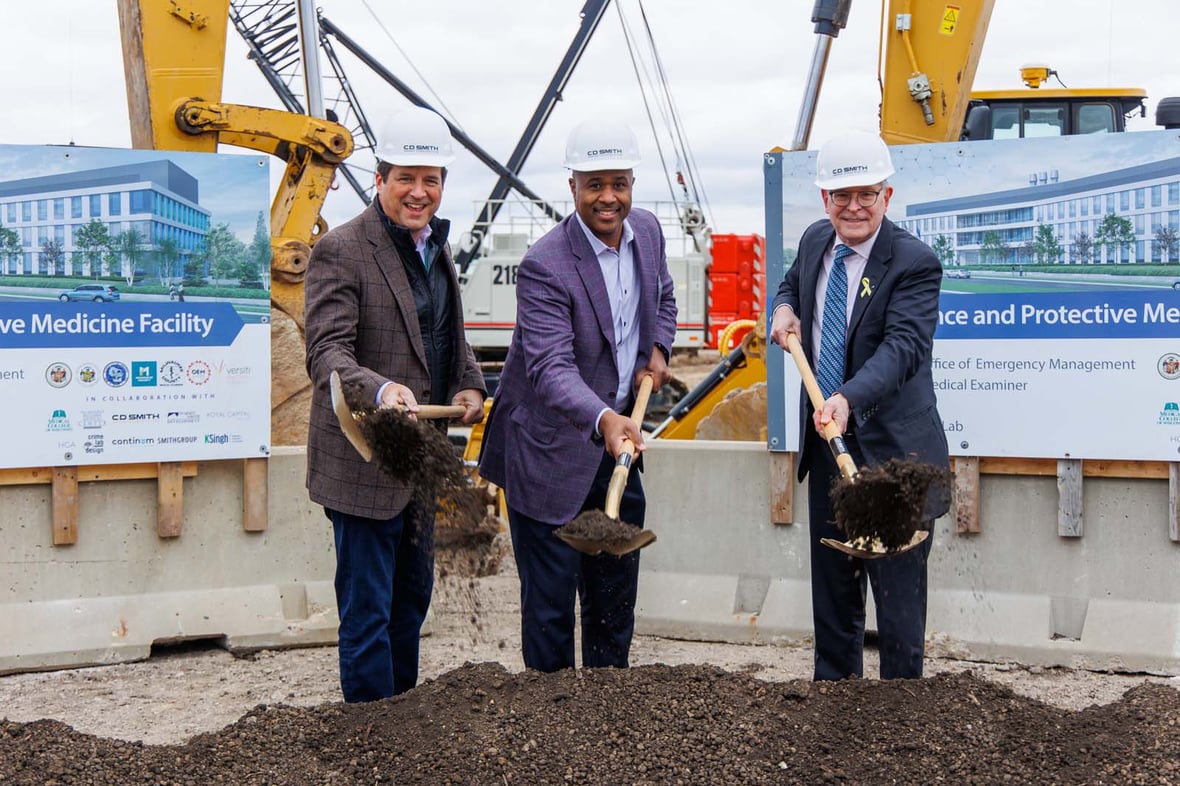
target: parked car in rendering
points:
(956, 272)
(95, 293)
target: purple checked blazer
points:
(539, 443)
(361, 321)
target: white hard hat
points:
(601, 143)
(854, 158)
(416, 137)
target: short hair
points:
(383, 168)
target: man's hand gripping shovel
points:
(594, 532)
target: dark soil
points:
(887, 502)
(647, 725)
(597, 526)
(416, 451)
(464, 530)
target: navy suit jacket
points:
(887, 376)
(539, 443)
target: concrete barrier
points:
(121, 587)
(1015, 591)
(719, 571)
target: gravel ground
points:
(686, 713)
(191, 689)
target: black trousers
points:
(838, 590)
(553, 575)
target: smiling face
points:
(854, 222)
(410, 195)
(603, 200)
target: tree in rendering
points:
(167, 254)
(129, 248)
(1045, 247)
(194, 271)
(53, 257)
(944, 249)
(1114, 233)
(225, 252)
(993, 249)
(1083, 248)
(1166, 240)
(10, 249)
(258, 255)
(93, 240)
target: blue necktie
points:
(834, 325)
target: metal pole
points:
(815, 81)
(830, 17)
(309, 45)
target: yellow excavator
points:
(930, 53)
(174, 62)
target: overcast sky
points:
(736, 70)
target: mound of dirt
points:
(480, 724)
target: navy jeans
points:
(553, 575)
(384, 579)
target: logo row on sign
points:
(143, 373)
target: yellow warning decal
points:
(950, 20)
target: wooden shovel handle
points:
(831, 430)
(439, 411)
(618, 478)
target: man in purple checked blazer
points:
(596, 312)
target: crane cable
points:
(437, 98)
(693, 172)
(667, 111)
(639, 77)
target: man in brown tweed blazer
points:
(384, 311)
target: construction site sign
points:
(134, 309)
(1058, 330)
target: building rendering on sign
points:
(140, 205)
(1124, 216)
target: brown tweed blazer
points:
(361, 321)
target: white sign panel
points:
(134, 316)
(1059, 323)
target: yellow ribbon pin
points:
(865, 289)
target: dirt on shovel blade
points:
(595, 525)
(887, 502)
(415, 451)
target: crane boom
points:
(591, 15)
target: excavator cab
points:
(1040, 112)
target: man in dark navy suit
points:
(862, 296)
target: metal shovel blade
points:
(866, 548)
(616, 547)
(348, 424)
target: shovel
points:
(621, 538)
(863, 547)
(350, 421)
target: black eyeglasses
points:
(863, 198)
